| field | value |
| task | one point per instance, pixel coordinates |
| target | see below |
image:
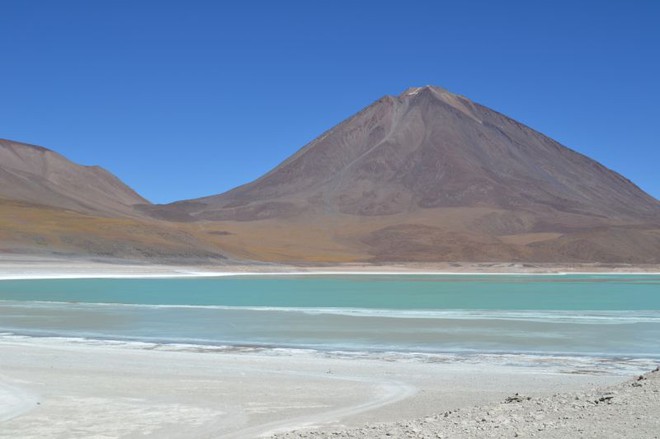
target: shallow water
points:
(576, 315)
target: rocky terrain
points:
(628, 410)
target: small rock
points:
(516, 398)
(607, 399)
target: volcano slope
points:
(432, 176)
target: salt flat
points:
(105, 389)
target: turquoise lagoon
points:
(578, 316)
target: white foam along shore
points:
(79, 389)
(181, 274)
(25, 268)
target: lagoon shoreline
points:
(15, 267)
(79, 388)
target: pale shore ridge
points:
(31, 267)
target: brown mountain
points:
(424, 176)
(432, 176)
(38, 175)
(50, 205)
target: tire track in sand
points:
(387, 392)
(15, 401)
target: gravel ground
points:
(628, 410)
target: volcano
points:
(429, 175)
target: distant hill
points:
(429, 175)
(50, 205)
(38, 175)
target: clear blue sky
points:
(189, 98)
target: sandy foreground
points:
(59, 388)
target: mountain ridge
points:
(42, 176)
(52, 206)
(423, 176)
